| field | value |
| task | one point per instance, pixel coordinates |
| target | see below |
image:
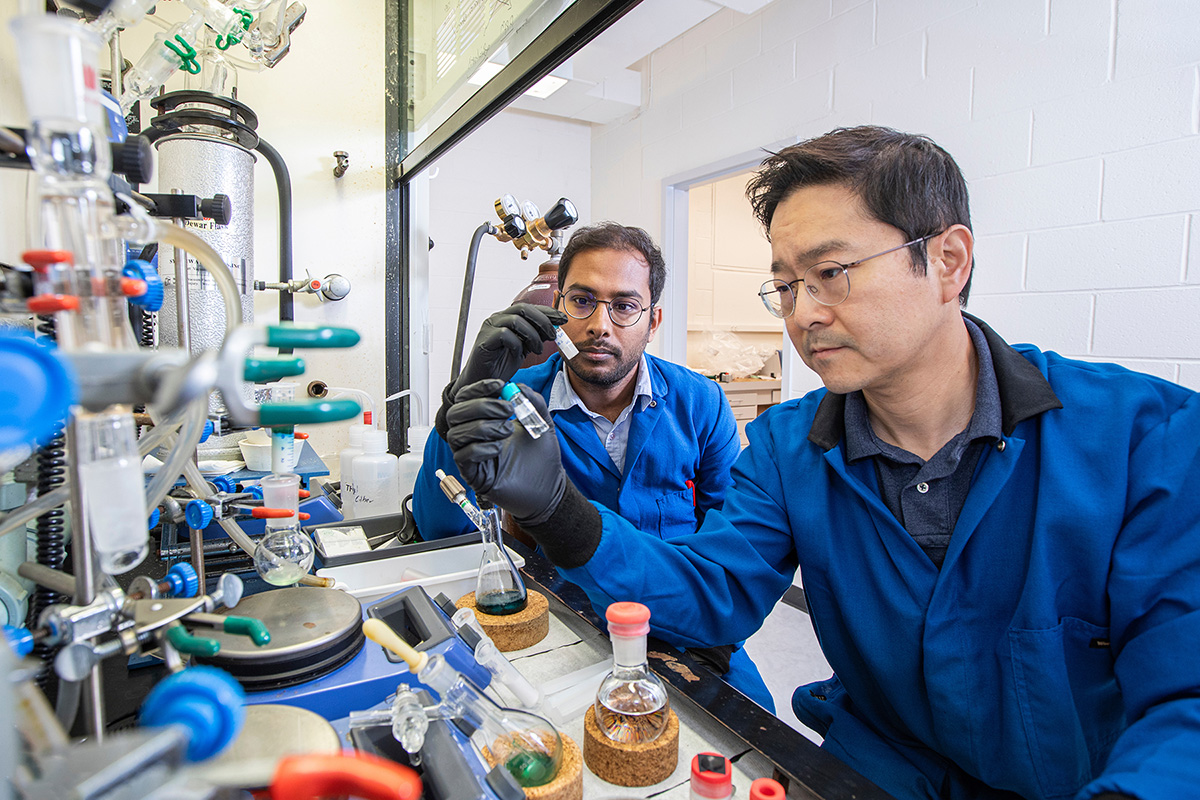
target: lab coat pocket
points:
(676, 514)
(1069, 703)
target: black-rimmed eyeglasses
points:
(623, 311)
(827, 282)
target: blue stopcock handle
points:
(183, 580)
(152, 300)
(198, 514)
(205, 700)
(21, 640)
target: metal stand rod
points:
(87, 582)
(197, 537)
(182, 304)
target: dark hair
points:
(904, 180)
(612, 236)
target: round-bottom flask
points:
(631, 704)
(284, 555)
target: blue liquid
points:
(501, 603)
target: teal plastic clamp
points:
(311, 336)
(300, 412)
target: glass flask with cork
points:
(631, 704)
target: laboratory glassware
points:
(284, 555)
(631, 704)
(528, 746)
(527, 415)
(499, 589)
(110, 475)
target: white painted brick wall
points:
(1076, 122)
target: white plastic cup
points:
(282, 491)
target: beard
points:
(604, 376)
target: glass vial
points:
(565, 345)
(113, 489)
(527, 415)
(499, 590)
(631, 704)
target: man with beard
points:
(649, 439)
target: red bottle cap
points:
(628, 619)
(712, 775)
(766, 789)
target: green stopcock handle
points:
(310, 336)
(191, 645)
(254, 629)
(259, 370)
(300, 411)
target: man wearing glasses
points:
(649, 439)
(1000, 546)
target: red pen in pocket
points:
(692, 485)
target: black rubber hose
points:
(464, 308)
(283, 184)
(51, 529)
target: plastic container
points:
(346, 467)
(375, 473)
(410, 462)
(712, 777)
(450, 570)
(281, 491)
(767, 789)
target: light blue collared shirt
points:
(615, 435)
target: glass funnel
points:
(631, 704)
(499, 590)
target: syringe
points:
(458, 495)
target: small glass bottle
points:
(499, 590)
(631, 704)
(527, 415)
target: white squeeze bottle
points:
(375, 488)
(346, 464)
(410, 462)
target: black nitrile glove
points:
(504, 339)
(503, 464)
(520, 474)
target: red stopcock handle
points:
(310, 777)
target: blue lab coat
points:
(1056, 653)
(687, 434)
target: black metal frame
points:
(583, 21)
